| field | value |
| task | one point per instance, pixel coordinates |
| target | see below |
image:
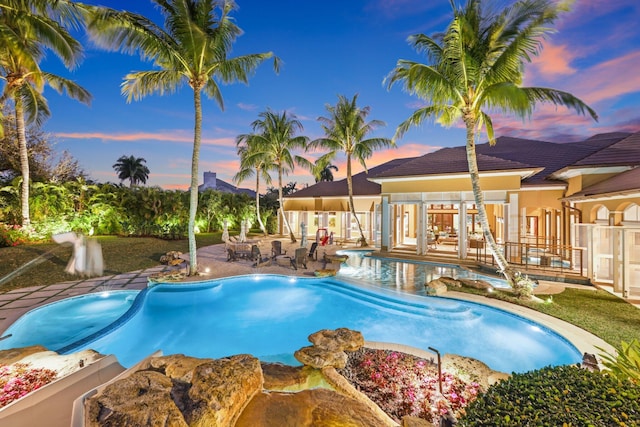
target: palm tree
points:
(321, 170)
(477, 66)
(29, 29)
(133, 169)
(274, 136)
(253, 161)
(345, 130)
(193, 48)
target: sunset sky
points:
(329, 48)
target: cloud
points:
(553, 61)
(610, 79)
(246, 107)
(166, 136)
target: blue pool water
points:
(405, 276)
(64, 322)
(272, 316)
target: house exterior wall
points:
(444, 184)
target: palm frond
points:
(71, 88)
(142, 83)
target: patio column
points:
(462, 230)
(385, 230)
(421, 236)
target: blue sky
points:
(329, 48)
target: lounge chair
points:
(231, 255)
(276, 249)
(299, 259)
(313, 252)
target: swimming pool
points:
(271, 317)
(404, 275)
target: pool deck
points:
(212, 261)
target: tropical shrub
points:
(626, 364)
(12, 235)
(19, 379)
(557, 396)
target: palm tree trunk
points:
(264, 230)
(24, 161)
(193, 195)
(284, 217)
(363, 240)
(472, 161)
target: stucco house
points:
(573, 206)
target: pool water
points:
(272, 316)
(64, 322)
(405, 276)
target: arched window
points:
(602, 215)
(631, 214)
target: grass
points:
(598, 312)
(121, 255)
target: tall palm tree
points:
(132, 168)
(29, 29)
(345, 130)
(275, 137)
(193, 47)
(477, 66)
(253, 161)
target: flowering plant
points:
(11, 235)
(402, 384)
(19, 379)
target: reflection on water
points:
(406, 276)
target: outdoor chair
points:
(313, 252)
(299, 259)
(231, 255)
(276, 249)
(256, 256)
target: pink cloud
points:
(169, 136)
(610, 79)
(553, 61)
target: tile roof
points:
(450, 160)
(361, 184)
(624, 182)
(615, 148)
(624, 151)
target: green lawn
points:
(121, 255)
(598, 312)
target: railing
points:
(556, 258)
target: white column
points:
(462, 230)
(385, 225)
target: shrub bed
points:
(557, 396)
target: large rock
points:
(175, 366)
(141, 399)
(220, 390)
(280, 377)
(469, 369)
(318, 407)
(340, 339)
(320, 357)
(12, 355)
(436, 287)
(477, 284)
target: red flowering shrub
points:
(402, 384)
(11, 235)
(19, 379)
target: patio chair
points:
(299, 259)
(256, 256)
(231, 255)
(276, 249)
(313, 252)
